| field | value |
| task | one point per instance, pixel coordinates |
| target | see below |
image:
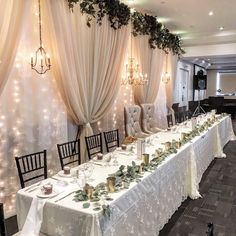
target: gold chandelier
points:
(133, 75)
(166, 74)
(41, 64)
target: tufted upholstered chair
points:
(132, 119)
(148, 121)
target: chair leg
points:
(210, 229)
(2, 221)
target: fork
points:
(33, 187)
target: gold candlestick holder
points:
(111, 183)
(145, 158)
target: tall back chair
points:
(32, 167)
(111, 139)
(94, 144)
(132, 122)
(182, 114)
(148, 121)
(69, 153)
(169, 120)
(2, 221)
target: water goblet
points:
(114, 157)
(75, 175)
(88, 171)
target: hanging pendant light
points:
(166, 74)
(133, 75)
(41, 63)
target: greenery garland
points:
(119, 15)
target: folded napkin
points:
(129, 139)
(34, 218)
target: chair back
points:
(148, 121)
(182, 114)
(94, 144)
(111, 139)
(32, 167)
(2, 221)
(132, 117)
(69, 153)
(169, 120)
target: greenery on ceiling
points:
(119, 15)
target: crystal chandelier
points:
(41, 64)
(132, 75)
(166, 74)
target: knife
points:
(64, 196)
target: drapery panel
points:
(11, 13)
(172, 69)
(87, 64)
(32, 115)
(151, 63)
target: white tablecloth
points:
(146, 206)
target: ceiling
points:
(190, 19)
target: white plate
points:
(96, 159)
(42, 195)
(61, 174)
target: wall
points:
(224, 81)
(211, 82)
(183, 68)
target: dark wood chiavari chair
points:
(169, 120)
(69, 153)
(2, 221)
(31, 167)
(94, 144)
(111, 139)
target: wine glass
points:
(88, 171)
(107, 159)
(114, 157)
(75, 175)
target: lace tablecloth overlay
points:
(146, 206)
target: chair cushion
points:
(148, 121)
(132, 125)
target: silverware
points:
(64, 196)
(32, 187)
(52, 177)
(95, 163)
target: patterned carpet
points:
(217, 205)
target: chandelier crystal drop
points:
(41, 62)
(166, 74)
(133, 76)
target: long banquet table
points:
(146, 206)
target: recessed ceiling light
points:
(221, 27)
(211, 13)
(203, 61)
(208, 59)
(209, 64)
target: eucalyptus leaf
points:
(86, 205)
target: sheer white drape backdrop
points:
(32, 115)
(88, 64)
(171, 68)
(11, 13)
(151, 63)
(160, 107)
